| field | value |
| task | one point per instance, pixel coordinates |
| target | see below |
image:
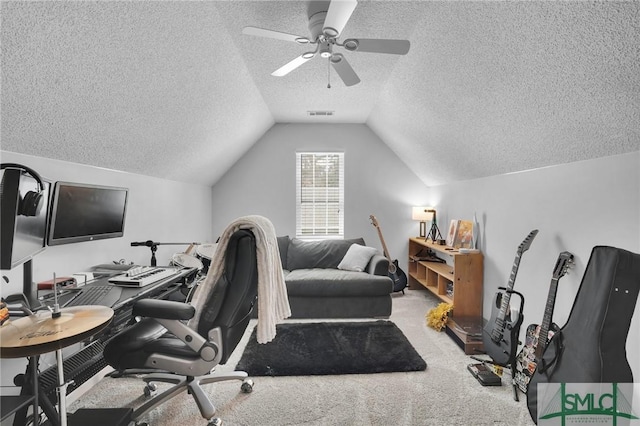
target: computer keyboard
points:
(143, 275)
(105, 295)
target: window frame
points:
(320, 232)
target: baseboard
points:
(84, 388)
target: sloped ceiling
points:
(498, 87)
(174, 90)
(156, 88)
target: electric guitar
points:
(395, 273)
(500, 335)
(538, 336)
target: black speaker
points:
(32, 200)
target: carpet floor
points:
(443, 394)
(321, 348)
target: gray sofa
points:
(318, 289)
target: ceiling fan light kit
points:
(325, 49)
(325, 27)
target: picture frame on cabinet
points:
(453, 229)
(464, 234)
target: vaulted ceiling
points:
(175, 90)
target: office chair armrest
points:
(170, 314)
(165, 309)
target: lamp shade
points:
(423, 214)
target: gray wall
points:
(376, 183)
(575, 207)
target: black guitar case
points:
(590, 348)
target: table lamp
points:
(423, 214)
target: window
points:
(319, 194)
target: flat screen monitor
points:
(83, 212)
(23, 224)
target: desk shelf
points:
(88, 361)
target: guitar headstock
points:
(524, 246)
(373, 220)
(563, 264)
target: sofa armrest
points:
(378, 265)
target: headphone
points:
(30, 204)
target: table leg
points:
(62, 389)
(41, 401)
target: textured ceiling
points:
(498, 87)
(174, 90)
(156, 88)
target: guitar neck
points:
(543, 335)
(385, 252)
(504, 307)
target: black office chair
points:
(163, 341)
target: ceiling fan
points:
(325, 26)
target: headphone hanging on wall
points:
(30, 204)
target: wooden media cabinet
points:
(457, 281)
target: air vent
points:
(319, 113)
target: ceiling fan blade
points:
(337, 16)
(344, 70)
(394, 47)
(261, 32)
(287, 68)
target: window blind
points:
(319, 194)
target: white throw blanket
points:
(273, 303)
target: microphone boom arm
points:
(153, 245)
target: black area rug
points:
(305, 349)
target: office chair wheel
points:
(215, 422)
(150, 389)
(247, 386)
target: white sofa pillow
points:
(357, 258)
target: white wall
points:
(376, 183)
(158, 210)
(575, 206)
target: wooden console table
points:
(458, 282)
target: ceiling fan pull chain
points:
(329, 73)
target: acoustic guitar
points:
(500, 335)
(395, 273)
(538, 336)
